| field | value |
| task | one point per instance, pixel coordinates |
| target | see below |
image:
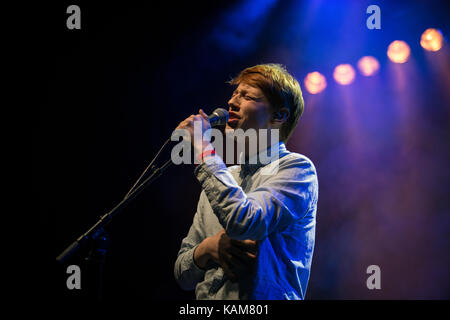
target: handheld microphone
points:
(219, 117)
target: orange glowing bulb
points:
(432, 39)
(344, 74)
(398, 51)
(368, 65)
(315, 82)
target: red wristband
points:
(205, 154)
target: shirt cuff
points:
(210, 166)
(191, 265)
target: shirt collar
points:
(274, 152)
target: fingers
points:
(203, 114)
(198, 117)
(240, 258)
(248, 245)
(244, 243)
(237, 259)
(234, 267)
(246, 250)
(231, 265)
(235, 256)
(189, 121)
(186, 122)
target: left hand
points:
(237, 257)
(202, 142)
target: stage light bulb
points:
(368, 65)
(432, 39)
(344, 74)
(398, 51)
(315, 82)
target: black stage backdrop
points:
(119, 86)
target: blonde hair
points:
(280, 88)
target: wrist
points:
(205, 154)
(204, 146)
(207, 150)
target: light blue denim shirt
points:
(275, 204)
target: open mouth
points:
(232, 122)
(233, 119)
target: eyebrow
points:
(257, 96)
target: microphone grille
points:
(221, 112)
(219, 117)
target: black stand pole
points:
(98, 240)
(93, 264)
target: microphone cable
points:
(150, 165)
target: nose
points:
(232, 104)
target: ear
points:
(280, 116)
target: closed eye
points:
(245, 95)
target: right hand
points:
(188, 124)
(234, 256)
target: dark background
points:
(120, 85)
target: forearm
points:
(281, 198)
(239, 216)
(186, 271)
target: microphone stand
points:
(96, 239)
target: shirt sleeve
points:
(186, 272)
(283, 197)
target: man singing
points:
(253, 234)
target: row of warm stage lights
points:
(398, 52)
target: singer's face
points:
(249, 108)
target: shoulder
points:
(290, 167)
(293, 164)
(294, 159)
